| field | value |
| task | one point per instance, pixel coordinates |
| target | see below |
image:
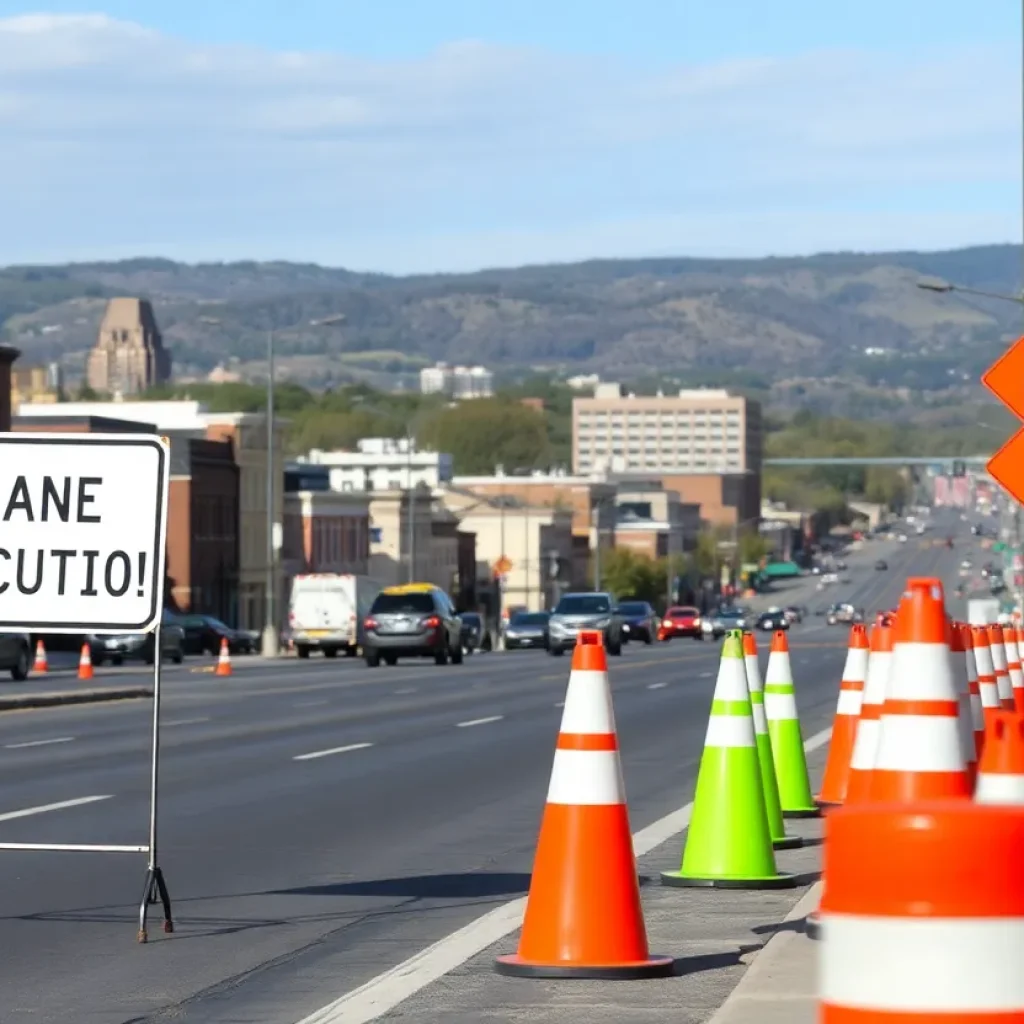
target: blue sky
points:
(411, 136)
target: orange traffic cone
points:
(1001, 769)
(583, 915)
(963, 698)
(85, 663)
(40, 666)
(920, 752)
(844, 727)
(973, 688)
(224, 661)
(988, 687)
(1013, 668)
(865, 748)
(997, 645)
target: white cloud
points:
(118, 140)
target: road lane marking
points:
(407, 690)
(560, 704)
(183, 721)
(45, 808)
(478, 721)
(379, 995)
(705, 675)
(656, 686)
(38, 743)
(333, 750)
(311, 703)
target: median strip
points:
(58, 698)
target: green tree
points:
(629, 574)
(752, 547)
(488, 432)
(706, 559)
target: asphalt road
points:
(321, 822)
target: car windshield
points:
(682, 613)
(583, 604)
(633, 608)
(396, 604)
(731, 613)
(529, 619)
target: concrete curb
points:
(58, 698)
(765, 961)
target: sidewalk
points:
(714, 934)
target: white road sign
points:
(83, 520)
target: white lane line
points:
(333, 750)
(656, 686)
(311, 703)
(408, 689)
(560, 704)
(45, 808)
(706, 675)
(382, 994)
(38, 743)
(183, 721)
(478, 721)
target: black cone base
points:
(653, 967)
(680, 881)
(788, 843)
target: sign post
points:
(83, 522)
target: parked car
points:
(681, 620)
(16, 655)
(416, 620)
(772, 620)
(140, 646)
(204, 633)
(472, 631)
(584, 611)
(527, 629)
(639, 621)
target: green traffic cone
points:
(787, 739)
(728, 843)
(776, 825)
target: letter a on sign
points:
(1005, 379)
(83, 524)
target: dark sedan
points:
(204, 633)
(639, 621)
(140, 646)
(772, 620)
(527, 629)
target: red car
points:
(681, 620)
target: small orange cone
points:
(865, 749)
(85, 663)
(1001, 769)
(40, 666)
(583, 915)
(920, 752)
(224, 661)
(844, 727)
(1013, 666)
(997, 645)
(973, 688)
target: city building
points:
(654, 522)
(129, 355)
(247, 433)
(457, 382)
(725, 499)
(202, 575)
(324, 531)
(536, 543)
(34, 384)
(8, 355)
(695, 431)
(393, 514)
(383, 464)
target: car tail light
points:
(433, 622)
(369, 623)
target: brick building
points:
(7, 356)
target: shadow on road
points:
(467, 885)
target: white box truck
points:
(326, 612)
(983, 611)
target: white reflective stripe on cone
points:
(998, 652)
(760, 718)
(780, 707)
(850, 702)
(921, 672)
(879, 666)
(999, 789)
(919, 743)
(922, 965)
(586, 778)
(865, 746)
(725, 731)
(1004, 687)
(856, 668)
(753, 667)
(732, 680)
(989, 693)
(588, 704)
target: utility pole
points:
(411, 495)
(270, 642)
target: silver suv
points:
(584, 611)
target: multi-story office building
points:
(457, 381)
(383, 464)
(695, 431)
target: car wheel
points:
(456, 654)
(372, 659)
(20, 671)
(555, 652)
(615, 650)
(648, 639)
(302, 651)
(441, 656)
(178, 657)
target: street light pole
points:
(411, 524)
(270, 642)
